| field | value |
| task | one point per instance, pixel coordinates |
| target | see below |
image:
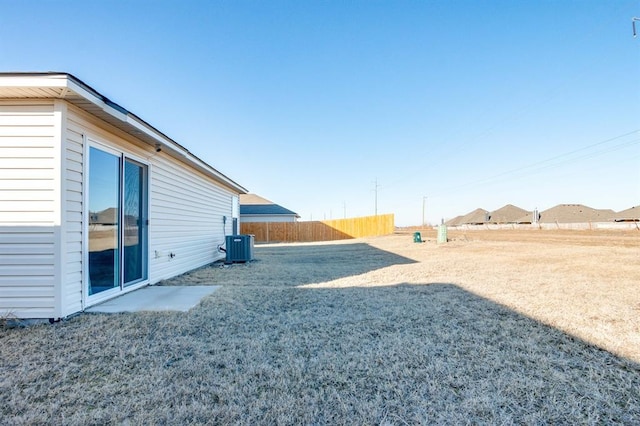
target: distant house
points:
(476, 217)
(629, 215)
(254, 208)
(96, 201)
(510, 214)
(575, 213)
(454, 221)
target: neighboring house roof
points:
(253, 199)
(453, 222)
(105, 217)
(574, 213)
(265, 209)
(59, 85)
(475, 217)
(252, 204)
(629, 215)
(509, 214)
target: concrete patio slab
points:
(156, 298)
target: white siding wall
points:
(185, 206)
(186, 219)
(73, 175)
(29, 209)
(42, 184)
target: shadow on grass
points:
(295, 265)
(427, 353)
(417, 354)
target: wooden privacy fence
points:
(325, 230)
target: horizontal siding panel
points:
(27, 174)
(73, 256)
(27, 259)
(73, 278)
(195, 186)
(46, 141)
(25, 280)
(27, 152)
(74, 142)
(29, 313)
(28, 198)
(74, 230)
(27, 163)
(74, 156)
(26, 185)
(182, 217)
(26, 131)
(186, 219)
(24, 196)
(73, 206)
(73, 169)
(26, 235)
(74, 182)
(28, 206)
(168, 195)
(74, 217)
(28, 249)
(9, 292)
(26, 270)
(30, 303)
(74, 274)
(21, 120)
(74, 198)
(25, 218)
(163, 236)
(189, 205)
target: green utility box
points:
(417, 238)
(442, 234)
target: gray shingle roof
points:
(631, 214)
(265, 209)
(508, 214)
(475, 217)
(575, 213)
(252, 204)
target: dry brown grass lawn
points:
(498, 327)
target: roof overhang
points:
(54, 85)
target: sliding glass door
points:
(117, 228)
(134, 226)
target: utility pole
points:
(424, 201)
(344, 209)
(375, 190)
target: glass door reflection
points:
(104, 221)
(135, 222)
(117, 198)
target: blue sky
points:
(309, 103)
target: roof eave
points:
(68, 87)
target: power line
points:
(532, 168)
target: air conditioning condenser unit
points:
(239, 248)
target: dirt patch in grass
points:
(489, 328)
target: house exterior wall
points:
(30, 212)
(186, 207)
(186, 219)
(43, 219)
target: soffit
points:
(67, 87)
